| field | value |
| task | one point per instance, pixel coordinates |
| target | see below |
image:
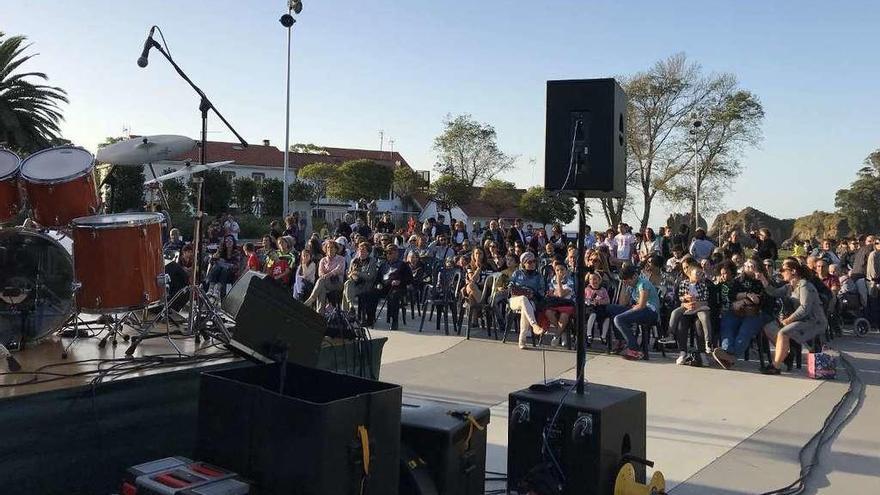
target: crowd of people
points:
(688, 286)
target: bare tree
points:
(660, 103)
(730, 121)
(467, 149)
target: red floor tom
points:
(118, 261)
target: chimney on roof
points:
(265, 142)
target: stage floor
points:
(85, 356)
(709, 430)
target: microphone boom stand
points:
(198, 299)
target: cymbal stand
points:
(204, 319)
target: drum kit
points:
(70, 257)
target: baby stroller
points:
(849, 310)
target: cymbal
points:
(186, 171)
(145, 149)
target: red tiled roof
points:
(271, 156)
(255, 154)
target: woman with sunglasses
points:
(745, 308)
(804, 323)
(526, 288)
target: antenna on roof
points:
(381, 139)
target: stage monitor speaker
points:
(450, 439)
(270, 325)
(588, 441)
(291, 429)
(585, 147)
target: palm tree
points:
(29, 113)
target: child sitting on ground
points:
(693, 293)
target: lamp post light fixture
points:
(287, 20)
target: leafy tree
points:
(243, 190)
(499, 195)
(357, 179)
(176, 193)
(29, 112)
(538, 204)
(467, 149)
(319, 175)
(300, 190)
(406, 181)
(126, 184)
(860, 203)
(216, 192)
(449, 191)
(308, 148)
(273, 203)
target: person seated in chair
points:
(393, 278)
(360, 277)
(559, 304)
(527, 288)
(331, 269)
(803, 324)
(643, 308)
(742, 303)
(179, 272)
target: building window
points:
(258, 177)
(228, 175)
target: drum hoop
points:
(58, 180)
(36, 233)
(14, 171)
(10, 175)
(155, 218)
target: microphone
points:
(148, 43)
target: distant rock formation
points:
(676, 220)
(748, 220)
(820, 225)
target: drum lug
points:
(98, 301)
(94, 233)
(146, 298)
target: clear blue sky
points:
(401, 65)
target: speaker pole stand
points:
(579, 293)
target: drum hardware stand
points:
(164, 314)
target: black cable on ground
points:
(826, 434)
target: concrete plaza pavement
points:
(709, 430)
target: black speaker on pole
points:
(270, 325)
(591, 436)
(586, 137)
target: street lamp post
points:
(697, 123)
(287, 20)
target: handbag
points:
(743, 308)
(821, 365)
(555, 302)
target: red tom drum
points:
(10, 203)
(60, 185)
(118, 261)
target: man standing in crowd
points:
(701, 248)
(495, 235)
(623, 242)
(859, 270)
(516, 233)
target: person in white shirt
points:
(624, 242)
(231, 227)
